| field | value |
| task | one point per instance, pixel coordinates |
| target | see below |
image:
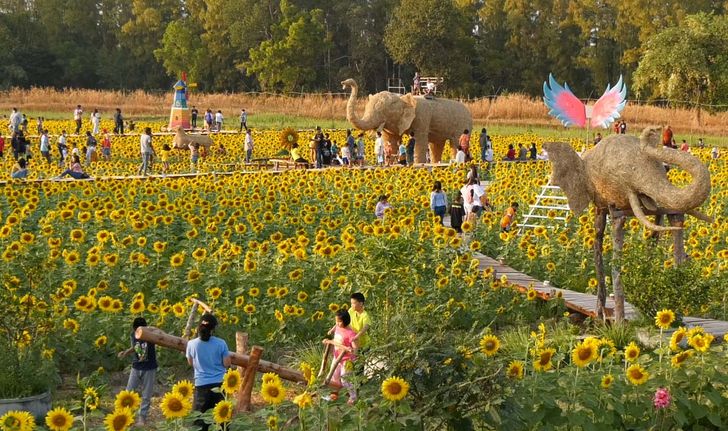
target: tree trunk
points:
(600, 222)
(617, 245)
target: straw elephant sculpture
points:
(433, 121)
(182, 140)
(624, 175)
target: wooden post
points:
(161, 338)
(678, 238)
(241, 347)
(324, 360)
(600, 222)
(188, 328)
(617, 245)
(246, 390)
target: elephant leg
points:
(658, 221)
(617, 246)
(600, 222)
(421, 147)
(678, 238)
(436, 149)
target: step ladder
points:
(551, 198)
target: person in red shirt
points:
(344, 343)
(2, 147)
(667, 137)
(464, 143)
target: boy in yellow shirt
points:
(360, 321)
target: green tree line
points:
(480, 47)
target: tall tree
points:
(292, 59)
(687, 62)
(433, 35)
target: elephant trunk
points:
(680, 198)
(361, 123)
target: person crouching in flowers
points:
(143, 369)
(209, 356)
(344, 342)
(382, 206)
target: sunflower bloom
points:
(515, 370)
(489, 345)
(175, 406)
(184, 388)
(119, 420)
(607, 381)
(701, 342)
(127, 400)
(679, 359)
(637, 375)
(59, 419)
(231, 381)
(676, 338)
(394, 388)
(17, 420)
(223, 412)
(303, 400)
(273, 392)
(583, 354)
(664, 319)
(543, 360)
(631, 352)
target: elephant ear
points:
(408, 112)
(569, 173)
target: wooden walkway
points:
(585, 303)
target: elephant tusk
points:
(634, 202)
(700, 216)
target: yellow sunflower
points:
(543, 360)
(664, 318)
(679, 359)
(231, 381)
(489, 345)
(637, 375)
(515, 370)
(701, 342)
(677, 337)
(59, 419)
(607, 381)
(394, 388)
(303, 400)
(175, 405)
(119, 420)
(583, 354)
(631, 352)
(223, 412)
(273, 392)
(307, 372)
(127, 400)
(272, 423)
(531, 294)
(185, 388)
(17, 421)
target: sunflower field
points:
(454, 346)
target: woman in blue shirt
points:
(438, 201)
(210, 357)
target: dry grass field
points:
(509, 109)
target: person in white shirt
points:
(714, 153)
(96, 121)
(460, 156)
(218, 120)
(248, 145)
(147, 151)
(379, 149)
(346, 155)
(77, 118)
(543, 156)
(15, 119)
(472, 204)
(62, 148)
(45, 146)
(489, 154)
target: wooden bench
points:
(259, 164)
(287, 163)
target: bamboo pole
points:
(324, 360)
(161, 338)
(334, 364)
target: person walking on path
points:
(411, 149)
(457, 213)
(360, 149)
(62, 148)
(143, 370)
(483, 141)
(438, 201)
(118, 122)
(218, 120)
(248, 145)
(147, 151)
(243, 120)
(90, 148)
(194, 112)
(15, 119)
(45, 146)
(209, 357)
(77, 113)
(106, 146)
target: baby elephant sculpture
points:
(433, 120)
(627, 173)
(182, 140)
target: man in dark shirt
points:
(194, 113)
(411, 149)
(143, 369)
(118, 122)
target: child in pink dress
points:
(343, 342)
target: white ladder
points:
(550, 199)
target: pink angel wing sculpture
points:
(609, 106)
(563, 104)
